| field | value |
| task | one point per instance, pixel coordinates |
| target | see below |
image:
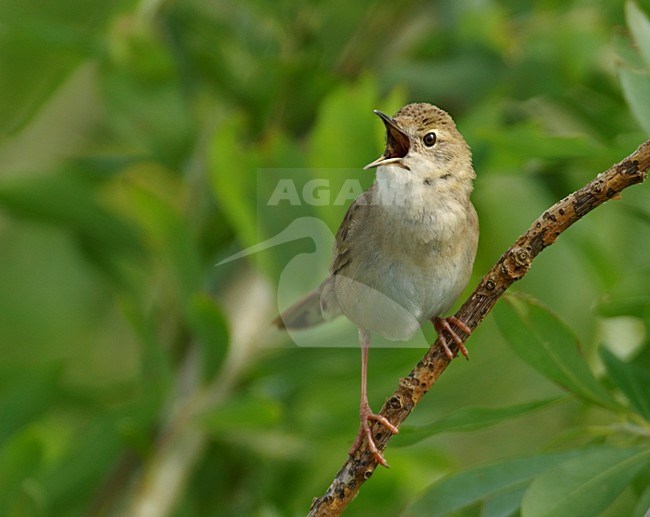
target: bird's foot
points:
(442, 325)
(366, 415)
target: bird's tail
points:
(316, 307)
(306, 312)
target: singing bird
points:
(405, 249)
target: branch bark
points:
(512, 266)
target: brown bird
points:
(405, 248)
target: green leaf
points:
(211, 328)
(83, 465)
(346, 118)
(69, 202)
(636, 84)
(232, 175)
(622, 305)
(528, 140)
(630, 297)
(504, 504)
(241, 414)
(156, 372)
(25, 399)
(550, 347)
(57, 37)
(482, 484)
(19, 460)
(171, 236)
(639, 25)
(467, 419)
(636, 81)
(632, 380)
(585, 485)
(643, 504)
(342, 141)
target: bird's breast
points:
(411, 263)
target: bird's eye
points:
(429, 139)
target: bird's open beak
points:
(397, 142)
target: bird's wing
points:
(342, 253)
(321, 304)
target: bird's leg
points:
(442, 325)
(365, 413)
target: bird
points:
(405, 249)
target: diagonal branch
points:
(512, 266)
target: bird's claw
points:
(442, 325)
(364, 431)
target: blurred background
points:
(136, 140)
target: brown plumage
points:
(406, 246)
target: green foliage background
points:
(134, 372)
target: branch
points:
(512, 266)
